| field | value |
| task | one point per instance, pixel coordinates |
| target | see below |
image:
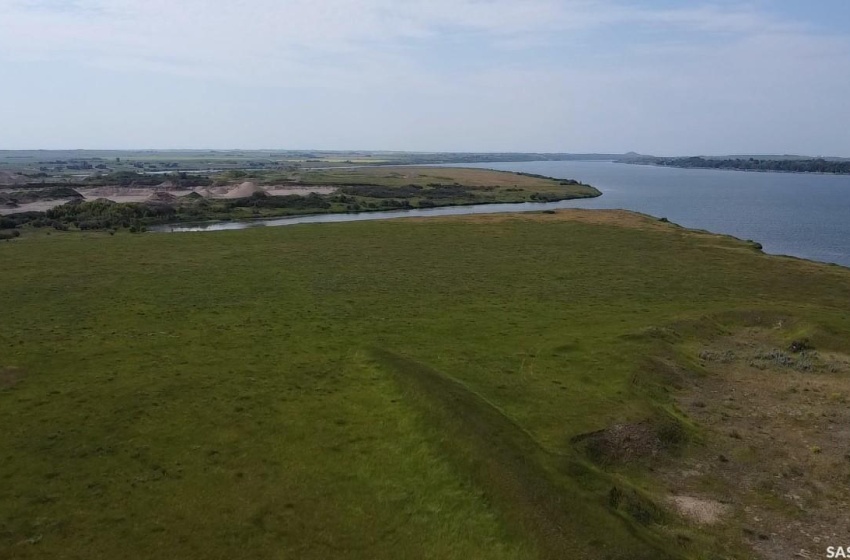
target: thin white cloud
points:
(721, 68)
(223, 35)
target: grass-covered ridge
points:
(408, 388)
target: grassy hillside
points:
(399, 389)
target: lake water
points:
(803, 215)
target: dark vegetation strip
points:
(103, 214)
(536, 491)
(817, 165)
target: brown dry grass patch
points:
(445, 175)
(9, 377)
(616, 218)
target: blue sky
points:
(661, 77)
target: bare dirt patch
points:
(698, 510)
(166, 193)
(118, 194)
(248, 188)
(279, 190)
(162, 196)
(777, 442)
(243, 190)
(40, 206)
(621, 443)
(9, 377)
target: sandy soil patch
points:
(247, 189)
(243, 190)
(118, 194)
(40, 206)
(698, 510)
(164, 194)
(278, 190)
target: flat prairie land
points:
(423, 176)
(584, 384)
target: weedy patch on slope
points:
(772, 462)
(621, 443)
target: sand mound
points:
(244, 190)
(212, 191)
(57, 192)
(162, 196)
(284, 190)
(704, 512)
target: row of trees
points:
(293, 201)
(105, 214)
(131, 178)
(752, 164)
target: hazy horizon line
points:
(392, 151)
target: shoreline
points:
(735, 169)
(374, 214)
(433, 213)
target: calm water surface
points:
(804, 215)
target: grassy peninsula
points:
(131, 200)
(585, 384)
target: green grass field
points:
(390, 389)
(423, 176)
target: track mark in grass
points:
(518, 476)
